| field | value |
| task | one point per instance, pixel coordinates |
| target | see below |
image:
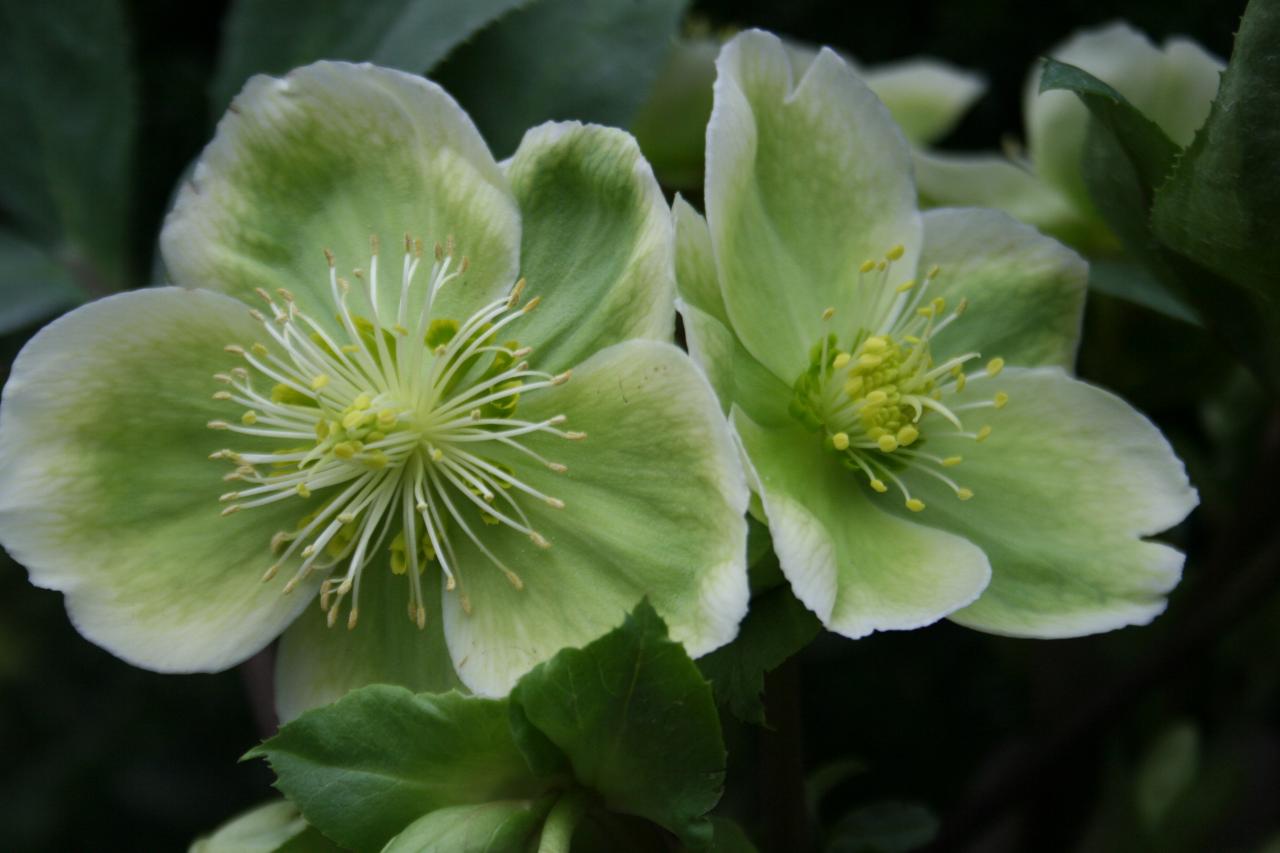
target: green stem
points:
(557, 832)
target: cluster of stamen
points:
(384, 426)
(876, 398)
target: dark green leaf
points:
(1219, 207)
(887, 827)
(33, 286)
(777, 626)
(505, 826)
(561, 59)
(542, 756)
(362, 768)
(67, 94)
(1133, 283)
(271, 37)
(637, 722)
(1145, 144)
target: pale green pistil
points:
(387, 428)
(876, 401)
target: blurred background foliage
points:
(1164, 738)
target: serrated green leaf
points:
(777, 626)
(561, 59)
(364, 767)
(504, 826)
(270, 37)
(1219, 205)
(637, 722)
(33, 285)
(67, 94)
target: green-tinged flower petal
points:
(805, 182)
(1025, 292)
(990, 180)
(107, 492)
(318, 664)
(732, 371)
(1173, 86)
(858, 567)
(926, 97)
(653, 506)
(324, 158)
(597, 244)
(1066, 487)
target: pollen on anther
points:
(879, 486)
(1001, 399)
(896, 252)
(995, 366)
(840, 441)
(915, 504)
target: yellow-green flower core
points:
(877, 399)
(387, 431)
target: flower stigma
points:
(387, 431)
(878, 397)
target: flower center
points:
(387, 431)
(878, 397)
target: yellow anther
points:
(387, 417)
(400, 330)
(249, 418)
(362, 402)
(319, 381)
(234, 349)
(879, 486)
(952, 461)
(356, 419)
(915, 504)
(839, 362)
(1001, 400)
(960, 382)
(328, 256)
(887, 443)
(907, 435)
(376, 459)
(962, 306)
(876, 344)
(964, 494)
(869, 360)
(939, 305)
(984, 433)
(994, 366)
(906, 285)
(828, 313)
(840, 441)
(436, 454)
(344, 450)
(853, 386)
(375, 436)
(933, 272)
(867, 266)
(531, 304)
(539, 540)
(882, 266)
(322, 430)
(895, 253)
(302, 490)
(222, 395)
(877, 397)
(260, 350)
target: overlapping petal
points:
(323, 159)
(653, 506)
(108, 493)
(805, 181)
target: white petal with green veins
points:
(316, 664)
(597, 242)
(1025, 292)
(926, 97)
(1066, 488)
(805, 182)
(323, 159)
(857, 566)
(653, 501)
(108, 493)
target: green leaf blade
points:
(637, 722)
